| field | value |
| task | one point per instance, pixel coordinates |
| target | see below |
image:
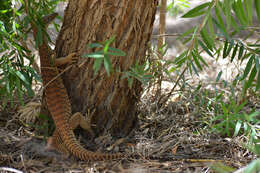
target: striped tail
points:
(60, 109)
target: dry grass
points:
(169, 138)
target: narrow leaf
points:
(39, 36)
(235, 25)
(108, 65)
(117, 52)
(197, 11)
(234, 52)
(221, 29)
(258, 81)
(225, 49)
(19, 90)
(249, 10)
(219, 76)
(205, 48)
(211, 28)
(194, 68)
(238, 9)
(94, 45)
(241, 51)
(93, 55)
(227, 11)
(22, 77)
(219, 16)
(186, 33)
(257, 8)
(207, 39)
(97, 65)
(248, 67)
(202, 60)
(237, 128)
(251, 78)
(196, 60)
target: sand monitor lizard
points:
(59, 104)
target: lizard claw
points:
(73, 58)
(69, 59)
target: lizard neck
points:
(48, 71)
(44, 49)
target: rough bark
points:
(111, 101)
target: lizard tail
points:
(80, 152)
(60, 109)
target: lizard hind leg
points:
(78, 119)
(55, 142)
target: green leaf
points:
(248, 67)
(14, 26)
(19, 89)
(130, 82)
(253, 115)
(219, 15)
(106, 48)
(197, 11)
(240, 107)
(231, 44)
(257, 8)
(221, 168)
(4, 11)
(39, 36)
(235, 25)
(257, 62)
(22, 77)
(241, 51)
(194, 68)
(251, 78)
(202, 60)
(225, 49)
(245, 126)
(249, 7)
(186, 33)
(107, 43)
(258, 81)
(227, 11)
(221, 29)
(97, 65)
(237, 128)
(205, 48)
(32, 71)
(246, 55)
(196, 60)
(253, 167)
(94, 45)
(181, 58)
(108, 65)
(117, 51)
(240, 14)
(93, 55)
(211, 28)
(219, 76)
(207, 39)
(234, 52)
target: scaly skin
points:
(59, 105)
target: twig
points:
(10, 170)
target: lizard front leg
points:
(69, 59)
(55, 142)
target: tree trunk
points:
(111, 101)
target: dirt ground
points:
(170, 138)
